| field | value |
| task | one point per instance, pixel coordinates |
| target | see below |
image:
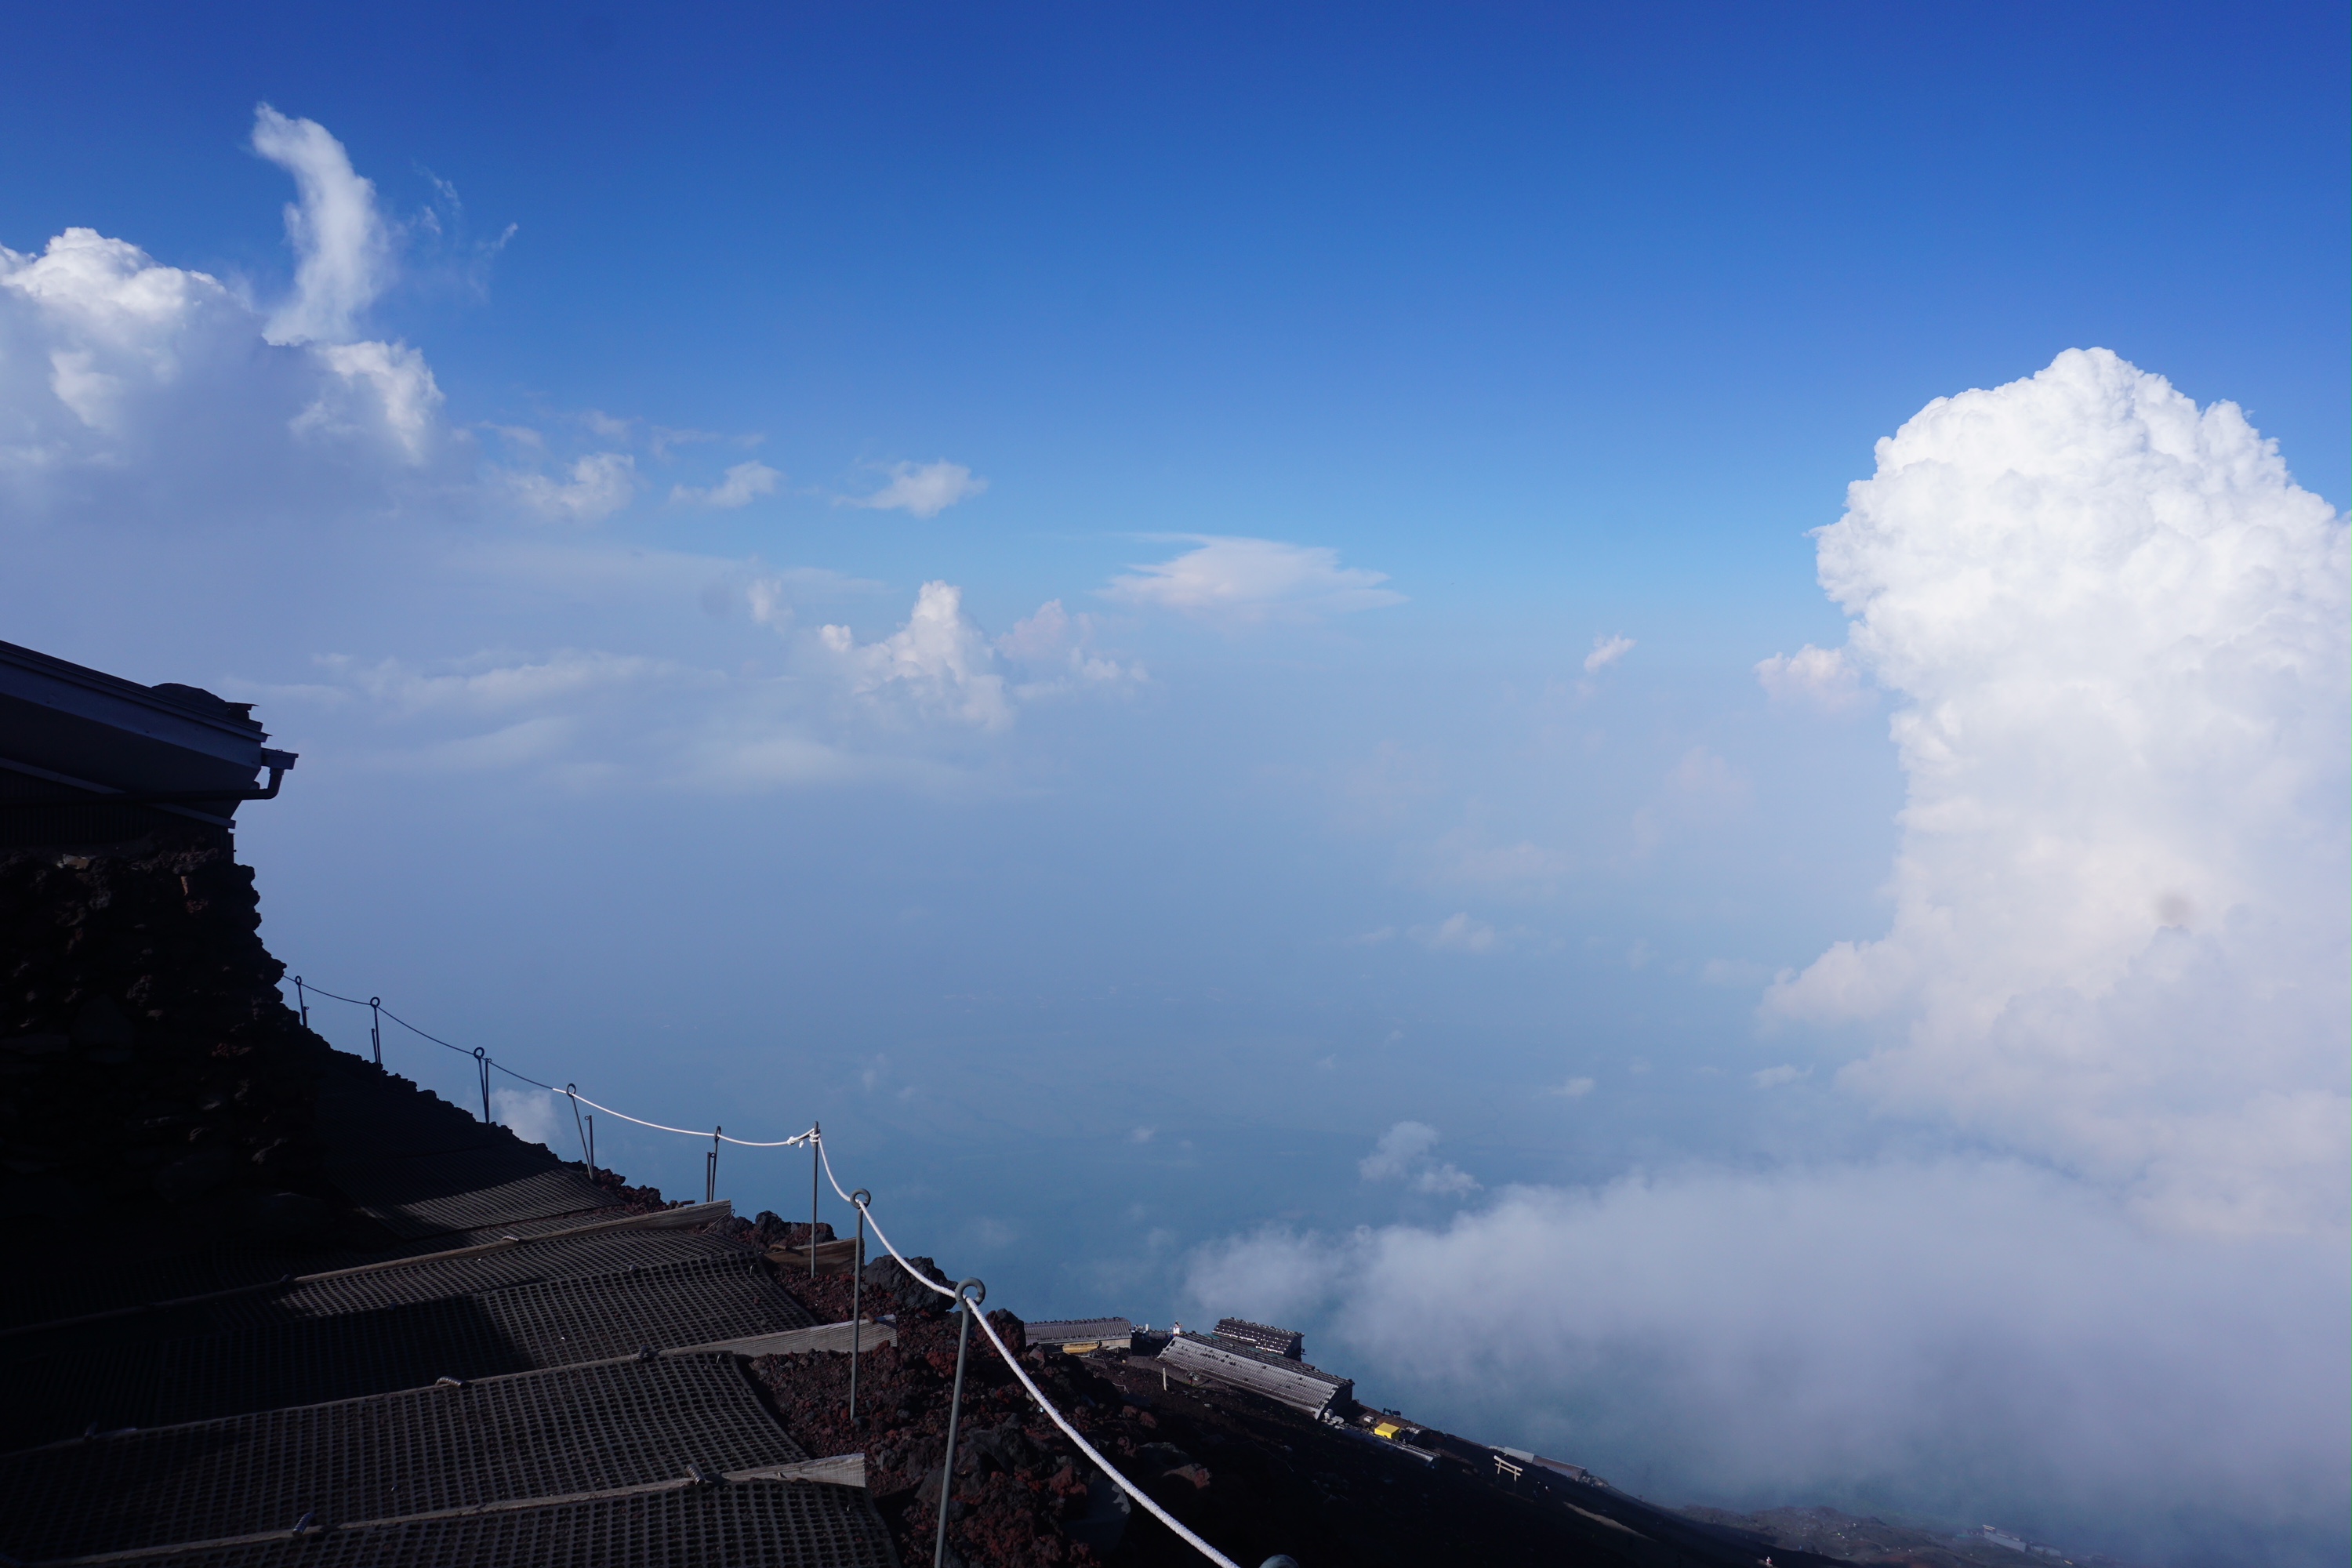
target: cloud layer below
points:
(1950, 1337)
(2114, 991)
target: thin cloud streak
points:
(1245, 580)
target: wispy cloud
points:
(342, 249)
(923, 489)
(743, 484)
(1457, 934)
(1248, 580)
(593, 488)
(1606, 651)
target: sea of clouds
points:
(2098, 1281)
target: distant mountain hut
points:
(1324, 1396)
(1242, 1334)
(1078, 1336)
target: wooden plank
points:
(831, 1337)
(840, 1471)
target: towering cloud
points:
(2119, 630)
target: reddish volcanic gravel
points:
(1017, 1479)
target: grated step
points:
(519, 1328)
(744, 1525)
(540, 1434)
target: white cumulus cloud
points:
(1402, 1155)
(940, 660)
(1245, 580)
(925, 490)
(741, 485)
(1820, 678)
(592, 489)
(377, 386)
(133, 392)
(2118, 631)
(534, 1116)
(1057, 648)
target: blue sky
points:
(1372, 749)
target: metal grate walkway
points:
(490, 1409)
(519, 1328)
(573, 1257)
(781, 1524)
(431, 1194)
(540, 1434)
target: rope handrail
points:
(1091, 1452)
(492, 1062)
(794, 1142)
(815, 1137)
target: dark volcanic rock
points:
(146, 1058)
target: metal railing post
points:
(966, 1304)
(858, 1200)
(572, 1093)
(375, 1027)
(302, 1001)
(482, 1064)
(711, 1169)
(816, 1135)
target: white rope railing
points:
(1091, 1452)
(816, 1137)
(794, 1142)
